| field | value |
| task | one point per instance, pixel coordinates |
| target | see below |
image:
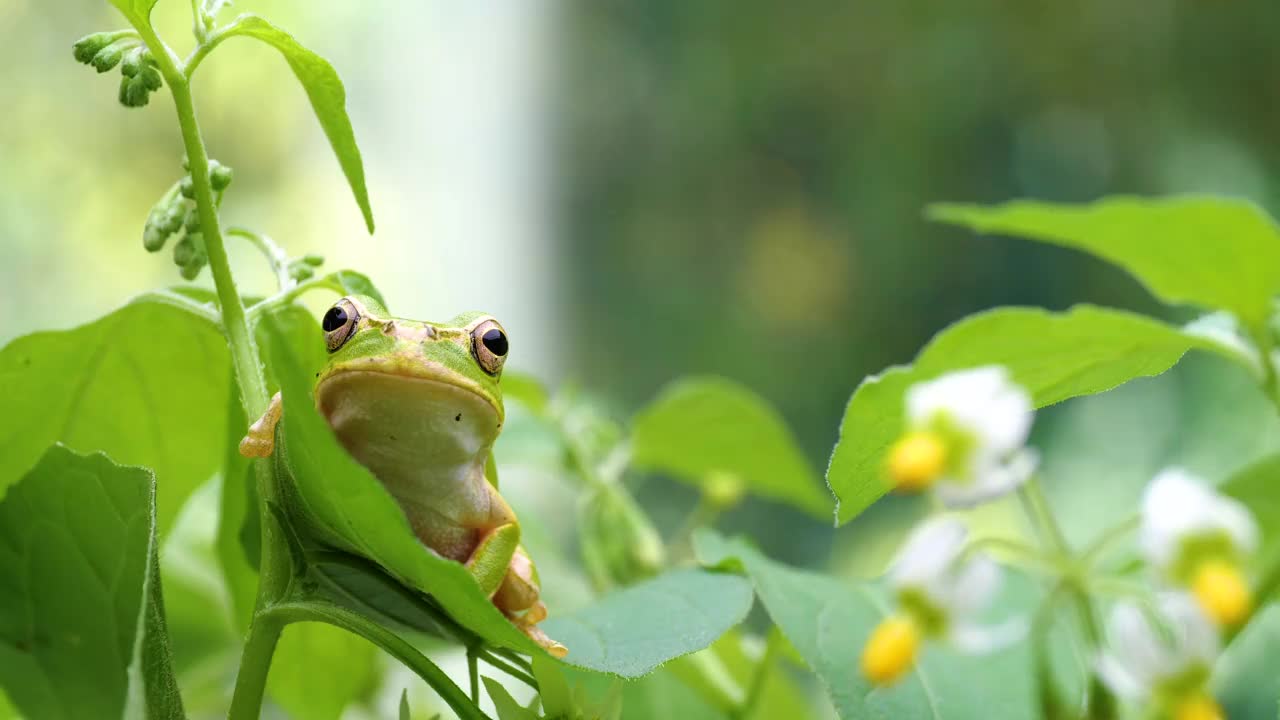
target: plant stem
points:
(1101, 702)
(310, 611)
(275, 570)
(760, 676)
(274, 254)
(473, 674)
(514, 672)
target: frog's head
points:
(407, 391)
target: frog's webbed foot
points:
(260, 441)
(518, 599)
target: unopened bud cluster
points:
(176, 215)
(139, 75)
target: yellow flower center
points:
(1222, 592)
(1198, 707)
(917, 460)
(890, 650)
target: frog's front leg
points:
(260, 442)
(505, 573)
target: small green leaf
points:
(342, 505)
(829, 620)
(1055, 356)
(147, 384)
(699, 427)
(507, 707)
(78, 554)
(318, 670)
(631, 632)
(328, 100)
(404, 705)
(137, 11)
(1219, 253)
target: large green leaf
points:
(81, 612)
(1218, 253)
(1244, 679)
(318, 670)
(340, 504)
(146, 384)
(633, 631)
(829, 620)
(697, 427)
(1055, 356)
(328, 99)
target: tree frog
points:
(420, 405)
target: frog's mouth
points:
(410, 430)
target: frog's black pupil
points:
(334, 319)
(496, 341)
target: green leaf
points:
(828, 621)
(318, 670)
(632, 631)
(507, 707)
(1255, 486)
(526, 390)
(1218, 253)
(698, 427)
(81, 611)
(1055, 356)
(328, 99)
(1244, 679)
(137, 11)
(146, 384)
(340, 504)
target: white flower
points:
(1167, 665)
(940, 592)
(947, 588)
(966, 436)
(1199, 539)
(1179, 508)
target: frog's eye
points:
(339, 324)
(489, 345)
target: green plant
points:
(114, 425)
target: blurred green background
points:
(644, 190)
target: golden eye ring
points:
(339, 324)
(489, 345)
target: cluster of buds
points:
(139, 75)
(177, 215)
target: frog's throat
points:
(409, 366)
(421, 437)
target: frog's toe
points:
(552, 647)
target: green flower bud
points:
(300, 271)
(191, 220)
(108, 57)
(187, 188)
(219, 176)
(184, 251)
(191, 271)
(150, 76)
(133, 93)
(174, 216)
(313, 260)
(133, 61)
(88, 46)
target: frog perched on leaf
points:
(420, 405)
